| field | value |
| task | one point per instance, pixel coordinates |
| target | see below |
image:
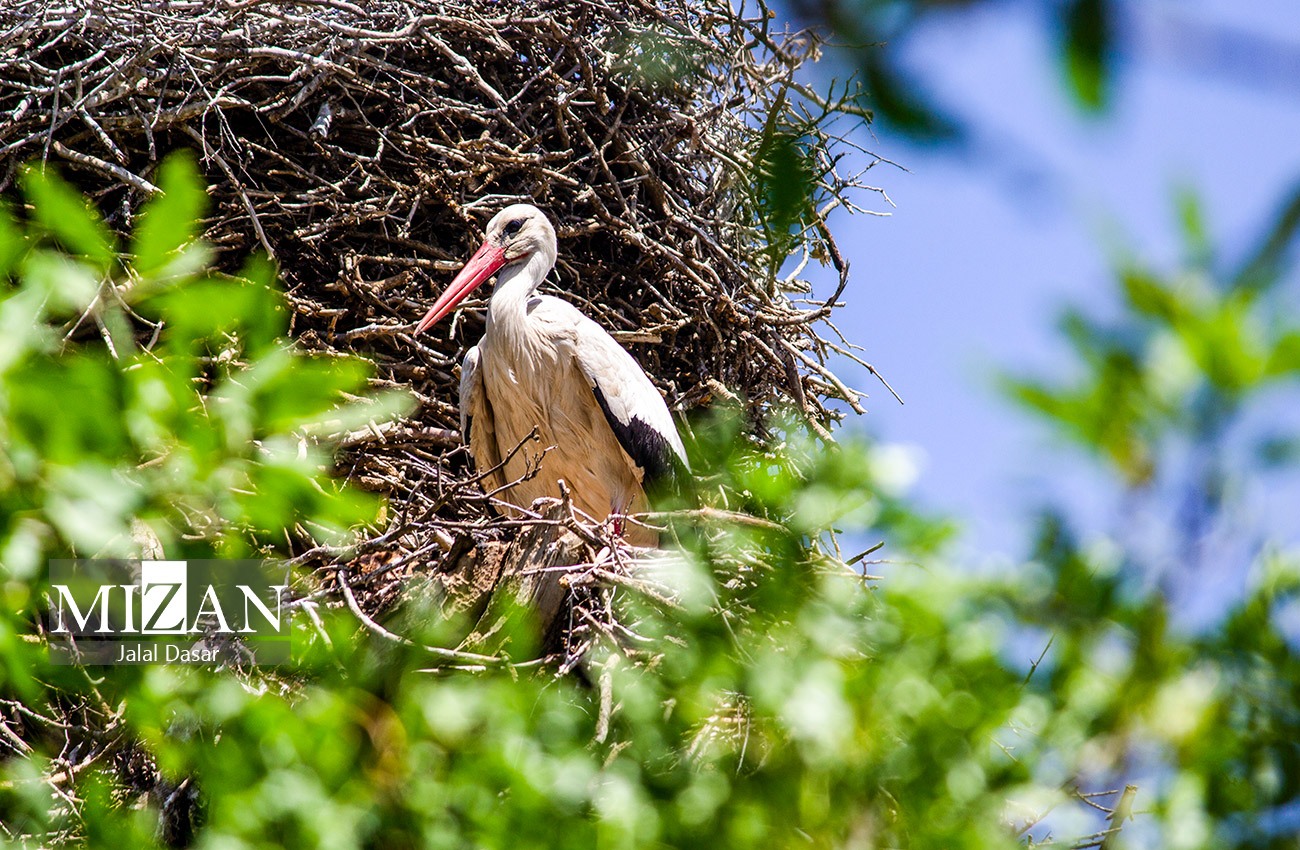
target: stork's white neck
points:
(515, 285)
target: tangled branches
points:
(364, 149)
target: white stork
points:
(542, 365)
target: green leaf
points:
(1106, 415)
(786, 180)
(23, 329)
(70, 285)
(234, 314)
(1149, 296)
(899, 102)
(62, 211)
(1041, 399)
(1226, 345)
(91, 504)
(1086, 39)
(69, 410)
(283, 489)
(1191, 216)
(1265, 266)
(14, 241)
(294, 393)
(382, 406)
(1284, 358)
(172, 220)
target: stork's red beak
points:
(487, 261)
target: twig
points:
(1123, 812)
(448, 654)
(107, 167)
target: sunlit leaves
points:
(231, 318)
(1150, 296)
(783, 700)
(170, 221)
(199, 422)
(1103, 413)
(65, 214)
(284, 392)
(1284, 356)
(68, 410)
(1167, 393)
(22, 327)
(69, 286)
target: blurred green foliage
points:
(771, 697)
(1167, 390)
(145, 402)
(1179, 393)
(144, 388)
(868, 33)
(1086, 39)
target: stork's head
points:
(521, 230)
(514, 236)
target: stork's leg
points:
(617, 517)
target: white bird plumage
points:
(543, 366)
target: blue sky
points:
(986, 244)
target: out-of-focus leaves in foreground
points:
(760, 693)
(143, 387)
(145, 402)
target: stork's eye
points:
(512, 227)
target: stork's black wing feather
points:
(648, 447)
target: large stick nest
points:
(365, 148)
(688, 171)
